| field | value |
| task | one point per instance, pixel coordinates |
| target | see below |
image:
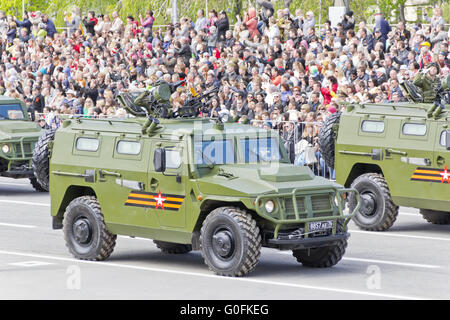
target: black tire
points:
(230, 242)
(36, 185)
(323, 257)
(436, 217)
(85, 231)
(172, 248)
(327, 136)
(377, 211)
(41, 158)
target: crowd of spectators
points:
(274, 69)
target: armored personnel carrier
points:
(226, 189)
(394, 155)
(18, 136)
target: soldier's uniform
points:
(428, 86)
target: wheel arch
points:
(360, 169)
(211, 204)
(71, 193)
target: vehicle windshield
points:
(11, 112)
(214, 152)
(260, 150)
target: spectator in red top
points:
(90, 22)
(326, 91)
(251, 22)
(149, 19)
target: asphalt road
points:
(410, 261)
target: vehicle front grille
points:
(27, 149)
(320, 204)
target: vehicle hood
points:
(253, 180)
(10, 130)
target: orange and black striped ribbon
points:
(428, 174)
(147, 200)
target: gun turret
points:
(153, 102)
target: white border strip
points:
(210, 276)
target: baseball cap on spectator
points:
(425, 44)
(72, 92)
(381, 70)
(159, 73)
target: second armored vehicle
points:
(18, 136)
(394, 155)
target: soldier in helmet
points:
(428, 81)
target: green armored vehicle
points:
(18, 136)
(226, 189)
(393, 155)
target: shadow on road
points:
(271, 264)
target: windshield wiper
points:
(208, 161)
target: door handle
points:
(102, 173)
(440, 160)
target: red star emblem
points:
(445, 175)
(159, 200)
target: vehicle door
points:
(167, 182)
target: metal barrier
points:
(306, 153)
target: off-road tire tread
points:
(251, 233)
(172, 248)
(41, 158)
(36, 185)
(327, 139)
(391, 209)
(436, 217)
(332, 256)
(108, 240)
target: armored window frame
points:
(173, 150)
(443, 138)
(77, 146)
(130, 142)
(367, 130)
(417, 125)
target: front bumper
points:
(308, 242)
(305, 205)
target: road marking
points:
(28, 264)
(25, 202)
(15, 184)
(388, 234)
(16, 225)
(409, 214)
(211, 276)
(396, 263)
(135, 238)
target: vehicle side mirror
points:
(447, 140)
(159, 160)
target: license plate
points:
(320, 225)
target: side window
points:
(173, 158)
(372, 126)
(443, 139)
(87, 144)
(414, 129)
(128, 147)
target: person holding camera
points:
(428, 81)
(89, 22)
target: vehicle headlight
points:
(269, 206)
(6, 148)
